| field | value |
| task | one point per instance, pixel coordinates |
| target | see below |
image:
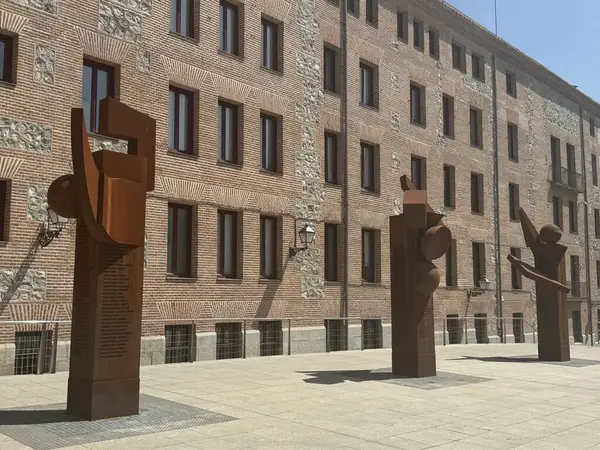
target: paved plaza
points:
(485, 397)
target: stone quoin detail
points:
(37, 203)
(113, 145)
(139, 6)
(19, 135)
(18, 285)
(142, 60)
(44, 63)
(120, 23)
(49, 6)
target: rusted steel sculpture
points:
(107, 195)
(417, 237)
(549, 275)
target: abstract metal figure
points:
(417, 237)
(549, 275)
(107, 195)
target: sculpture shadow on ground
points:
(340, 376)
(528, 359)
(33, 417)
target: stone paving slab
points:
(486, 397)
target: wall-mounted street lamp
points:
(484, 285)
(52, 228)
(307, 236)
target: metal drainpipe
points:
(496, 182)
(587, 230)
(344, 146)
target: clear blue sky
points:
(560, 34)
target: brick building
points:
(264, 110)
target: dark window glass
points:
(513, 142)
(475, 127)
(268, 143)
(434, 43)
(418, 34)
(401, 32)
(478, 262)
(367, 85)
(449, 192)
(592, 128)
(416, 104)
(572, 217)
(368, 256)
(477, 193)
(182, 17)
(228, 130)
(181, 112)
(555, 157)
(418, 172)
(229, 28)
(594, 170)
(227, 238)
(6, 58)
(268, 247)
(179, 240)
(556, 212)
(4, 210)
(331, 158)
(477, 67)
(371, 11)
(178, 340)
(368, 167)
(513, 201)
(451, 267)
(598, 281)
(448, 113)
(330, 72)
(98, 84)
(515, 275)
(353, 6)
(331, 252)
(270, 45)
(597, 223)
(511, 84)
(457, 57)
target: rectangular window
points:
(401, 26)
(368, 256)
(478, 262)
(331, 252)
(336, 335)
(477, 193)
(229, 40)
(455, 329)
(367, 85)
(27, 352)
(368, 167)
(449, 186)
(178, 343)
(458, 57)
(331, 158)
(268, 247)
(4, 202)
(434, 43)
(353, 7)
(451, 265)
(597, 223)
(478, 67)
(98, 83)
(515, 275)
(418, 34)
(513, 201)
(330, 69)
(269, 56)
(181, 120)
(227, 239)
(572, 217)
(570, 159)
(575, 280)
(418, 172)
(179, 240)
(598, 274)
(592, 127)
(6, 58)
(481, 333)
(271, 337)
(448, 113)
(475, 123)
(182, 17)
(594, 170)
(228, 130)
(511, 84)
(371, 11)
(229, 340)
(555, 158)
(518, 328)
(372, 334)
(513, 142)
(417, 104)
(269, 148)
(556, 212)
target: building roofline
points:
(507, 52)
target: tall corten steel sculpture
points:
(107, 195)
(417, 237)
(549, 275)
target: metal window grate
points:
(518, 331)
(178, 343)
(336, 335)
(27, 352)
(454, 329)
(229, 340)
(372, 334)
(481, 333)
(271, 338)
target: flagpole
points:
(496, 15)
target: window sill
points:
(332, 93)
(514, 160)
(179, 279)
(517, 290)
(370, 193)
(3, 244)
(277, 72)
(421, 49)
(478, 147)
(188, 39)
(402, 39)
(418, 124)
(222, 279)
(510, 94)
(333, 283)
(271, 173)
(449, 136)
(370, 283)
(450, 208)
(354, 14)
(575, 233)
(460, 69)
(372, 24)
(263, 280)
(8, 84)
(451, 288)
(477, 213)
(239, 58)
(481, 80)
(177, 153)
(232, 165)
(335, 185)
(371, 107)
(436, 57)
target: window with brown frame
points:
(476, 127)
(369, 255)
(557, 212)
(181, 120)
(4, 201)
(270, 45)
(476, 193)
(182, 17)
(448, 115)
(369, 168)
(368, 85)
(268, 247)
(331, 252)
(179, 240)
(6, 58)
(331, 158)
(417, 104)
(227, 239)
(513, 201)
(229, 39)
(98, 83)
(401, 26)
(330, 64)
(353, 7)
(478, 249)
(418, 34)
(434, 43)
(513, 142)
(511, 84)
(372, 10)
(449, 186)
(478, 67)
(418, 172)
(573, 225)
(269, 148)
(228, 131)
(458, 57)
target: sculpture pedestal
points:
(106, 329)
